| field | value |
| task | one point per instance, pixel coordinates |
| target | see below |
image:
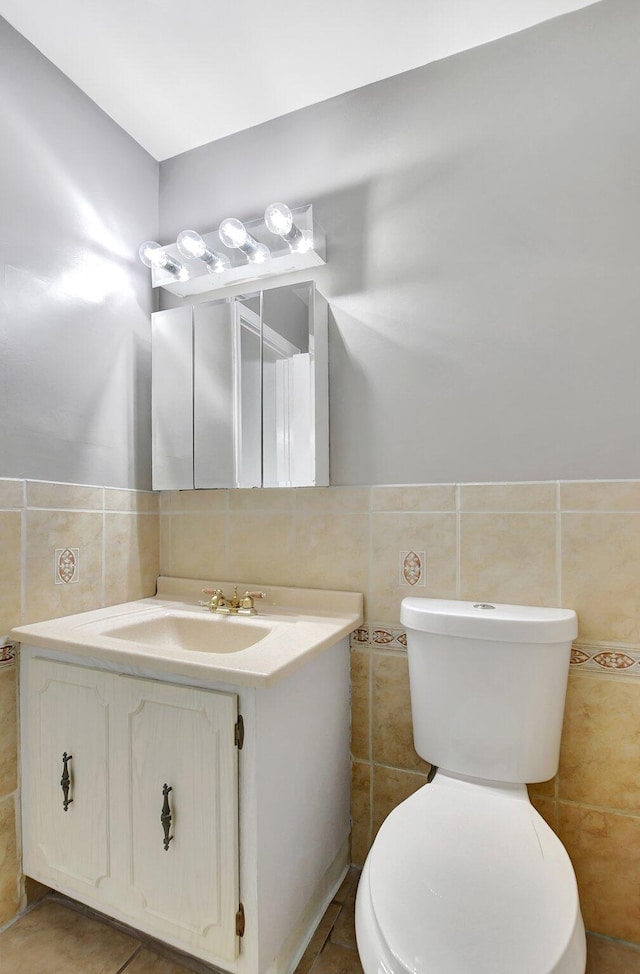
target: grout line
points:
(133, 957)
(603, 809)
(458, 541)
(24, 523)
(558, 545)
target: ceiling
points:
(176, 74)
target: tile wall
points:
(573, 544)
(64, 549)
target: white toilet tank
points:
(488, 684)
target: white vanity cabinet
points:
(260, 818)
(99, 835)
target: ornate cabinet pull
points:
(165, 818)
(65, 780)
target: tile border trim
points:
(596, 657)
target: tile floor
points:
(55, 937)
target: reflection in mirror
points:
(248, 390)
(288, 387)
(214, 394)
(240, 395)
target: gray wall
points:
(77, 196)
(483, 253)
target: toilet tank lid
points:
(495, 621)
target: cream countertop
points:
(300, 623)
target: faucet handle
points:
(246, 606)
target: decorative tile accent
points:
(67, 566)
(388, 637)
(609, 659)
(598, 658)
(360, 637)
(7, 653)
(412, 569)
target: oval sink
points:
(202, 634)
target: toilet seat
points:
(465, 876)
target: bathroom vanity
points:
(188, 773)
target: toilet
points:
(465, 877)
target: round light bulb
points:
(191, 244)
(278, 218)
(233, 233)
(151, 253)
(260, 254)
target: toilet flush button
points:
(483, 605)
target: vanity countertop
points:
(173, 634)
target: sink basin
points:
(202, 634)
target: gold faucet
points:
(234, 606)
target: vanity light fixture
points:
(153, 255)
(278, 219)
(191, 245)
(235, 235)
(282, 241)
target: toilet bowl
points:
(465, 877)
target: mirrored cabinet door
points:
(172, 399)
(240, 392)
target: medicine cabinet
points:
(240, 391)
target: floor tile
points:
(53, 939)
(318, 940)
(335, 959)
(147, 962)
(607, 957)
(344, 929)
(352, 877)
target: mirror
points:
(240, 392)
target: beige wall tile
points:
(277, 499)
(164, 567)
(10, 893)
(605, 850)
(261, 548)
(140, 501)
(198, 546)
(131, 556)
(600, 754)
(392, 726)
(34, 890)
(360, 665)
(607, 957)
(508, 558)
(46, 531)
(604, 495)
(435, 534)
(360, 811)
(431, 497)
(11, 493)
(332, 551)
(548, 808)
(64, 496)
(600, 572)
(10, 569)
(543, 789)
(332, 500)
(8, 731)
(503, 498)
(390, 787)
(207, 501)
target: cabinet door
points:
(67, 711)
(183, 738)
